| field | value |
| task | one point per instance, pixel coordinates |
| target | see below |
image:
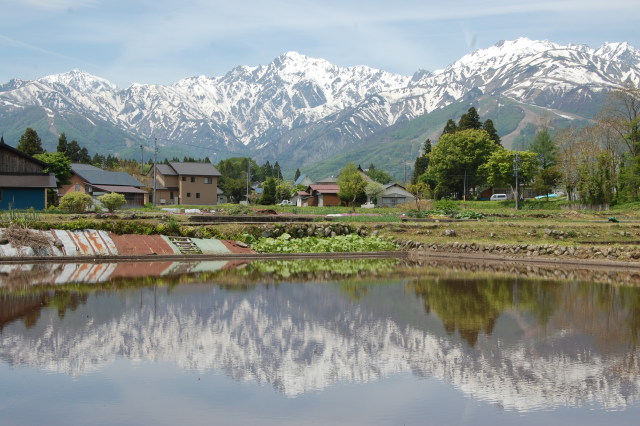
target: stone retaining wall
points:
(624, 253)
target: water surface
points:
(319, 343)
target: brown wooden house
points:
(23, 183)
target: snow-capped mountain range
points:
(306, 109)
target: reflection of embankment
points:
(271, 335)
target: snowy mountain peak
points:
(622, 52)
(504, 51)
(80, 80)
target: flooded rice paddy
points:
(358, 342)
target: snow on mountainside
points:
(296, 102)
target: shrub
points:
(112, 201)
(75, 202)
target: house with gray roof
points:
(393, 195)
(186, 183)
(91, 180)
(23, 183)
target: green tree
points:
(234, 176)
(420, 191)
(277, 172)
(58, 164)
(373, 190)
(499, 168)
(351, 184)
(284, 190)
(426, 147)
(75, 202)
(547, 179)
(493, 133)
(422, 161)
(450, 127)
(470, 120)
(379, 175)
(456, 158)
(269, 192)
(84, 157)
(297, 175)
(595, 184)
(30, 143)
(544, 146)
(62, 143)
(112, 201)
(420, 167)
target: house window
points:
(77, 188)
(193, 179)
(188, 195)
(197, 195)
(171, 195)
(184, 178)
(208, 180)
(87, 189)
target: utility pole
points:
(141, 159)
(515, 170)
(404, 163)
(248, 174)
(155, 162)
(464, 195)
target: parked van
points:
(498, 197)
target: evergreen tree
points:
(62, 143)
(30, 143)
(267, 170)
(269, 192)
(426, 147)
(277, 172)
(421, 165)
(297, 175)
(545, 147)
(450, 127)
(493, 133)
(470, 120)
(83, 156)
(73, 151)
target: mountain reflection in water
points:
(523, 344)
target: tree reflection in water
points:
(472, 306)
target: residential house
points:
(23, 184)
(320, 195)
(394, 194)
(91, 180)
(222, 197)
(303, 180)
(187, 183)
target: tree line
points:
(597, 164)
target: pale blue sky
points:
(163, 41)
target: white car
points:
(498, 197)
(286, 203)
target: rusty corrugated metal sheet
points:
(85, 243)
(141, 244)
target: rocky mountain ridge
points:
(299, 109)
